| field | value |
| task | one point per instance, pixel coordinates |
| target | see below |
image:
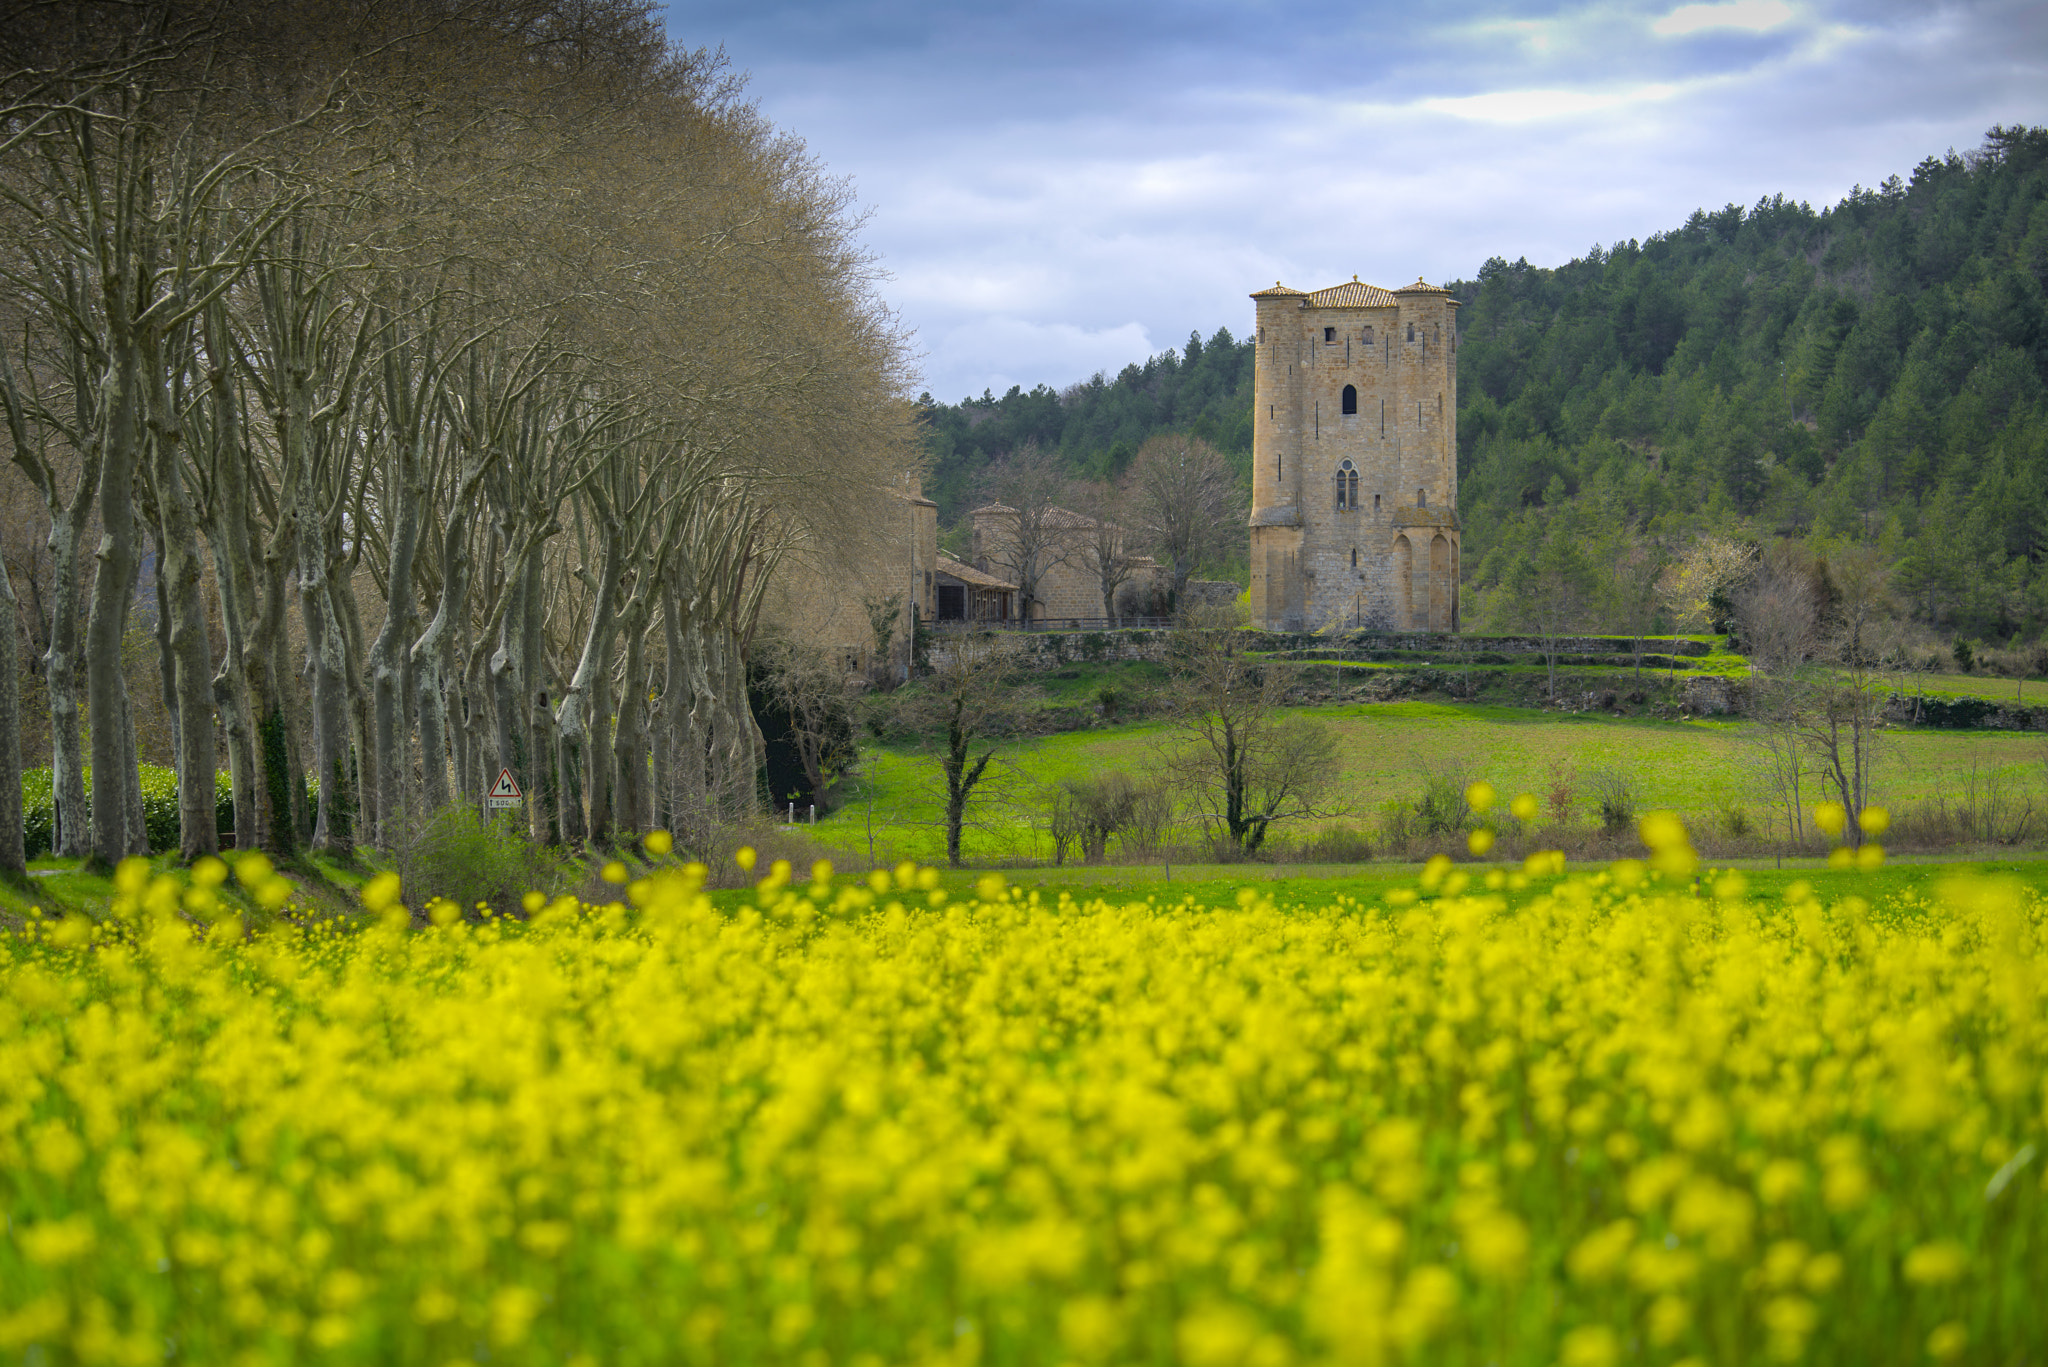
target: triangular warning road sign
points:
(506, 786)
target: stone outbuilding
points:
(966, 594)
(1064, 544)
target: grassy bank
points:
(1704, 769)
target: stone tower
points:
(1355, 459)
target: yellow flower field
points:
(1521, 1118)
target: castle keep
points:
(1355, 459)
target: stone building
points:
(888, 563)
(1064, 545)
(1355, 459)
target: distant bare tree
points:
(1106, 547)
(1776, 614)
(1697, 585)
(967, 699)
(1186, 502)
(1237, 756)
(1632, 588)
(1820, 710)
(1551, 592)
(1030, 532)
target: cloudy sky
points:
(1065, 186)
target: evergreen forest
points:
(1868, 373)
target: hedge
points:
(159, 807)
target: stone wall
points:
(1056, 649)
(1360, 644)
(1964, 714)
(1211, 593)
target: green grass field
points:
(1698, 768)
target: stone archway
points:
(1404, 583)
(1440, 583)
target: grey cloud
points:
(1060, 188)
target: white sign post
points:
(504, 794)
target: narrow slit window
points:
(1421, 498)
(1351, 400)
(1354, 557)
(1375, 505)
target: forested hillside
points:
(1871, 372)
(1098, 425)
(1868, 372)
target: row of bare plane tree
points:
(460, 370)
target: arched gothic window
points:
(1368, 336)
(1421, 498)
(1351, 399)
(1411, 332)
(1347, 486)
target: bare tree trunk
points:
(12, 857)
(386, 662)
(106, 690)
(357, 761)
(509, 691)
(671, 714)
(574, 715)
(630, 734)
(599, 764)
(333, 827)
(281, 785)
(181, 604)
(71, 831)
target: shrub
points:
(1441, 809)
(38, 811)
(1561, 791)
(1088, 811)
(457, 855)
(159, 807)
(1616, 796)
(1336, 845)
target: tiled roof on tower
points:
(1421, 286)
(1279, 291)
(1353, 293)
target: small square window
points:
(1329, 335)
